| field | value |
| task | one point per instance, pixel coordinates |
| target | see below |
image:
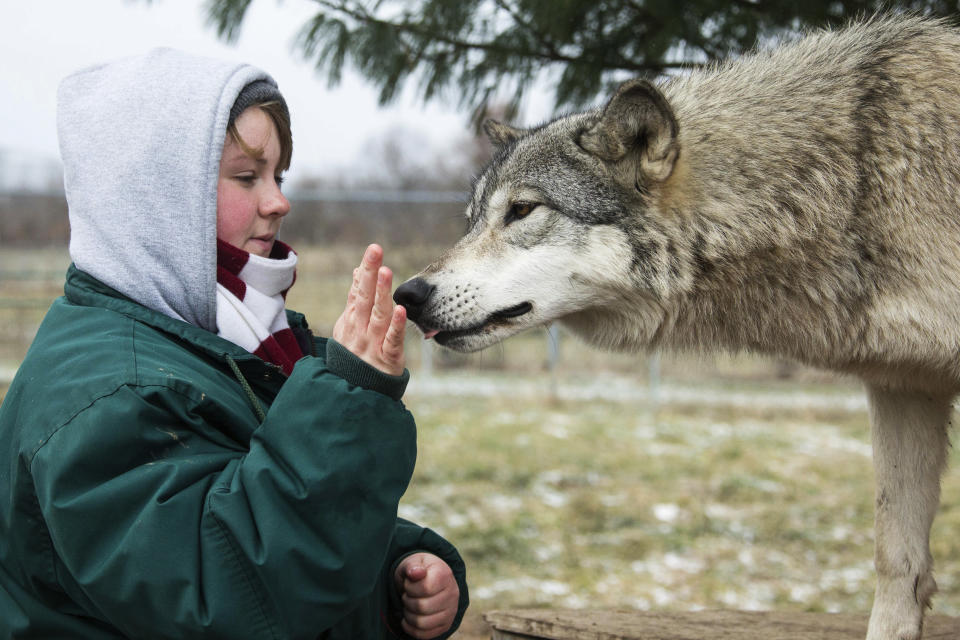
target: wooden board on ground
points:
(552, 624)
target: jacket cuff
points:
(351, 368)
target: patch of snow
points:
(666, 512)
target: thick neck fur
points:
(777, 220)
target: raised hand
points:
(372, 326)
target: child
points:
(179, 457)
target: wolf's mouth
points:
(498, 317)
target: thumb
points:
(415, 572)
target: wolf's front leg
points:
(909, 433)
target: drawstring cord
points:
(254, 402)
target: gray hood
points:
(141, 140)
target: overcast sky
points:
(45, 40)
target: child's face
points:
(250, 205)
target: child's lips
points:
(264, 243)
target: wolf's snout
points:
(413, 295)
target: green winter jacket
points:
(142, 496)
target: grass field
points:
(748, 484)
(601, 504)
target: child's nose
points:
(275, 203)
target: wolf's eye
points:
(519, 210)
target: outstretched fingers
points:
(372, 326)
(365, 283)
(382, 308)
(393, 340)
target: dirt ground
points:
(473, 627)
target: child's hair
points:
(277, 111)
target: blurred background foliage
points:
(479, 52)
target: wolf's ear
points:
(637, 119)
(501, 134)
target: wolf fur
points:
(802, 202)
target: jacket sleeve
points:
(211, 539)
(410, 538)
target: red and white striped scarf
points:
(251, 293)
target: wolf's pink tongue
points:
(429, 334)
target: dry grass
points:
(600, 504)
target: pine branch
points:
(529, 27)
(488, 46)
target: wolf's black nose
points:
(412, 295)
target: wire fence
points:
(25, 296)
(331, 229)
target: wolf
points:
(802, 201)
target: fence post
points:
(653, 375)
(426, 357)
(553, 358)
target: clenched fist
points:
(430, 595)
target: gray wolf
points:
(800, 202)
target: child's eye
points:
(245, 179)
(280, 180)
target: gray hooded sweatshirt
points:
(141, 141)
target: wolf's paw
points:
(913, 633)
(885, 626)
(898, 613)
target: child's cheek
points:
(232, 217)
